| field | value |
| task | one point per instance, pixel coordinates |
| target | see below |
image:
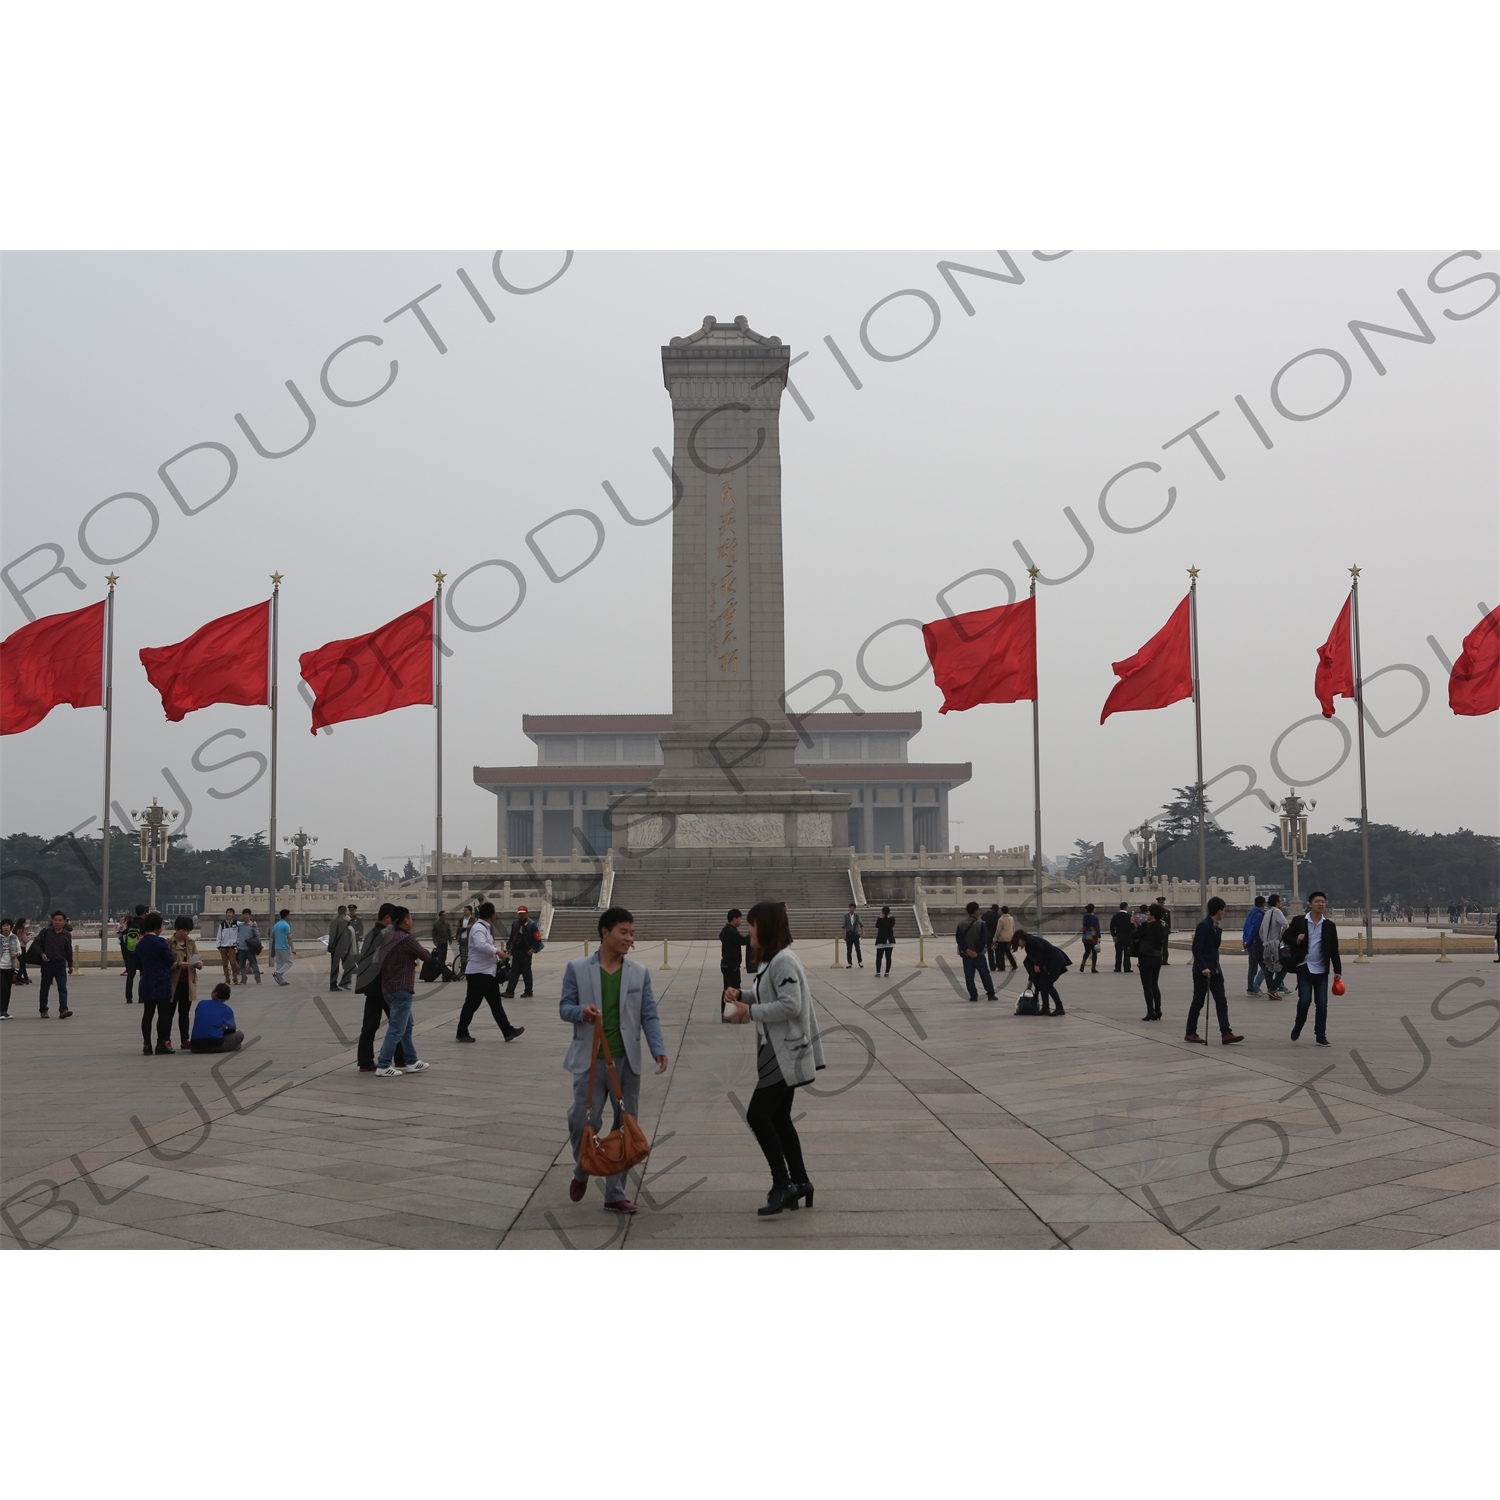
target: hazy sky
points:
(113, 363)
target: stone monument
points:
(728, 778)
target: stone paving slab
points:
(937, 1124)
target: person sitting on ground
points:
(213, 1024)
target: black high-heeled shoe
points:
(777, 1199)
(802, 1190)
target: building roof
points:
(535, 724)
(818, 772)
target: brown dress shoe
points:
(1229, 1037)
(577, 1189)
(623, 1206)
(1193, 1036)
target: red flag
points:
(57, 659)
(1474, 687)
(227, 661)
(986, 656)
(1335, 672)
(372, 674)
(1161, 672)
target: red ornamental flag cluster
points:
(1474, 686)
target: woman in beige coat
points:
(185, 966)
(789, 1051)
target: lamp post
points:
(155, 834)
(300, 856)
(1294, 832)
(1145, 848)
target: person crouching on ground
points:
(614, 990)
(1044, 966)
(398, 983)
(788, 1053)
(213, 1024)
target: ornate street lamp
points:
(1294, 832)
(155, 834)
(300, 857)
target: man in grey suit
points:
(614, 989)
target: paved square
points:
(937, 1123)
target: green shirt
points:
(609, 1003)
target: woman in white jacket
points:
(789, 1051)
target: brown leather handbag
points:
(606, 1156)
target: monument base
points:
(727, 820)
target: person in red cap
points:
(525, 939)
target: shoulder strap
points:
(600, 1045)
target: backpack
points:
(132, 937)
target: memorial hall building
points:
(585, 762)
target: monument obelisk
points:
(728, 778)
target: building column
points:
(906, 830)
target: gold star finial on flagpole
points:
(1193, 574)
(440, 576)
(1354, 574)
(276, 579)
(111, 579)
(1033, 572)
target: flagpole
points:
(1359, 714)
(1036, 773)
(109, 735)
(275, 646)
(1198, 737)
(437, 703)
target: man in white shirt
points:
(480, 961)
(1314, 942)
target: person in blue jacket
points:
(1091, 938)
(1044, 966)
(153, 967)
(1250, 940)
(213, 1024)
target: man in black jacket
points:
(367, 984)
(1121, 929)
(1208, 977)
(1314, 942)
(524, 936)
(732, 943)
(56, 943)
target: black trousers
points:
(1090, 954)
(520, 968)
(375, 1009)
(1203, 984)
(1122, 956)
(732, 981)
(128, 959)
(852, 951)
(184, 1004)
(230, 1043)
(1150, 969)
(7, 978)
(770, 1118)
(161, 1012)
(1046, 988)
(883, 952)
(1004, 956)
(484, 989)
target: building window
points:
(885, 747)
(639, 749)
(889, 833)
(599, 749)
(559, 749)
(597, 831)
(519, 838)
